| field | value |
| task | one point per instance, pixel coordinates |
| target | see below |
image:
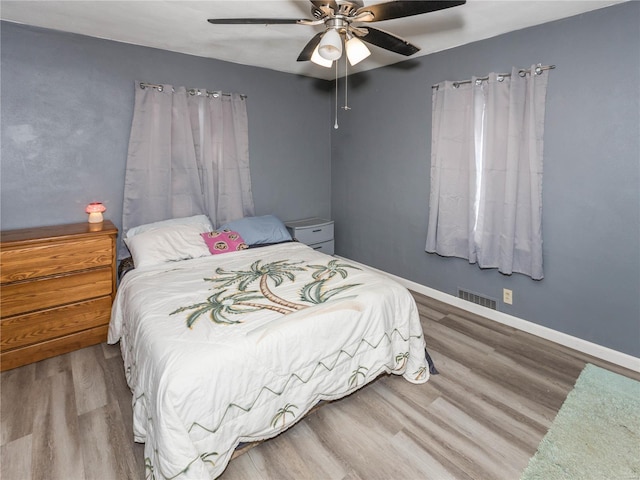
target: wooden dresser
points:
(56, 289)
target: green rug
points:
(596, 434)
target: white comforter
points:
(237, 347)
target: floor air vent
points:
(478, 299)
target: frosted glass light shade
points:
(330, 47)
(318, 60)
(356, 50)
(95, 210)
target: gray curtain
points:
(188, 155)
(486, 171)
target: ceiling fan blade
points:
(307, 51)
(388, 41)
(325, 5)
(256, 21)
(399, 9)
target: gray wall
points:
(591, 211)
(67, 105)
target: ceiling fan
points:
(342, 20)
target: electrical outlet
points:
(507, 296)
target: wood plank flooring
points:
(499, 389)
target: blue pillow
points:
(259, 230)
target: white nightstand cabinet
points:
(315, 232)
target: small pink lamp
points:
(95, 210)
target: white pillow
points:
(201, 220)
(167, 244)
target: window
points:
(486, 171)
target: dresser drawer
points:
(52, 347)
(36, 327)
(315, 234)
(25, 262)
(324, 247)
(23, 297)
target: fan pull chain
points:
(346, 75)
(335, 125)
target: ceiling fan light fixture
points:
(319, 60)
(356, 50)
(330, 47)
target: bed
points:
(220, 350)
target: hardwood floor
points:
(69, 417)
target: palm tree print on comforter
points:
(223, 304)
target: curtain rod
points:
(522, 72)
(191, 91)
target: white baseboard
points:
(598, 351)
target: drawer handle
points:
(318, 230)
(318, 248)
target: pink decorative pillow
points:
(223, 241)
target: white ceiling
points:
(181, 26)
